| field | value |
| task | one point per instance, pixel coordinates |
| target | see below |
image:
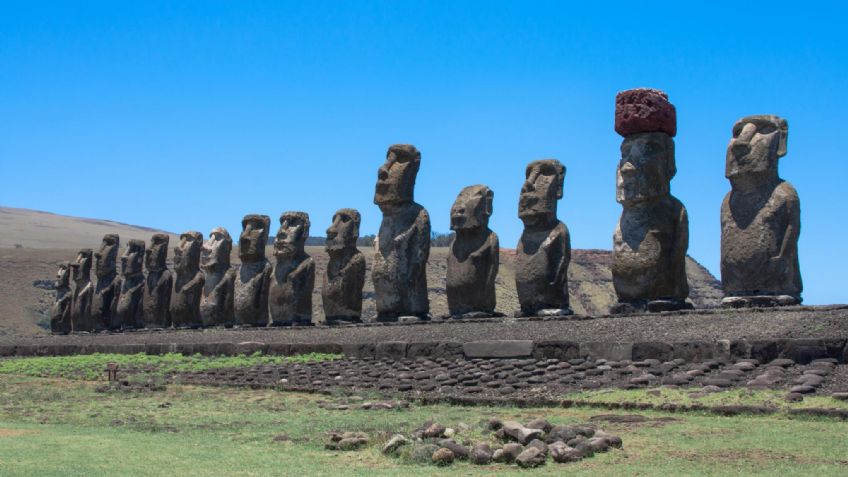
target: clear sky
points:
(188, 115)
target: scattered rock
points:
(443, 456)
(508, 453)
(394, 443)
(481, 454)
(434, 430)
(841, 396)
(562, 453)
(542, 424)
(539, 445)
(530, 457)
(459, 451)
(520, 433)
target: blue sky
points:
(188, 116)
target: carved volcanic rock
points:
(644, 110)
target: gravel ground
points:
(705, 325)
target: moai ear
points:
(560, 179)
(783, 126)
(671, 163)
(490, 195)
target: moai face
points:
(187, 254)
(396, 177)
(132, 258)
(344, 231)
(63, 276)
(81, 268)
(254, 237)
(291, 238)
(757, 143)
(156, 256)
(646, 167)
(541, 190)
(216, 251)
(472, 208)
(106, 259)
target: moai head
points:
(291, 238)
(472, 208)
(63, 276)
(132, 258)
(106, 259)
(541, 190)
(81, 267)
(156, 256)
(396, 177)
(646, 167)
(757, 143)
(215, 253)
(254, 237)
(344, 231)
(187, 253)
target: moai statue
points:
(216, 304)
(131, 299)
(474, 255)
(251, 286)
(544, 249)
(60, 312)
(188, 286)
(402, 246)
(83, 291)
(293, 276)
(104, 304)
(341, 292)
(760, 219)
(652, 235)
(158, 284)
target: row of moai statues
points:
(760, 221)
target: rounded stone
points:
(644, 110)
(443, 456)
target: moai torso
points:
(341, 291)
(216, 304)
(83, 291)
(760, 216)
(652, 235)
(158, 284)
(131, 298)
(60, 312)
(188, 286)
(474, 254)
(254, 274)
(293, 275)
(104, 304)
(543, 253)
(402, 246)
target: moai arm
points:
(421, 240)
(303, 277)
(493, 259)
(681, 245)
(262, 295)
(560, 254)
(793, 227)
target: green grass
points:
(64, 428)
(93, 366)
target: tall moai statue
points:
(544, 249)
(60, 312)
(341, 292)
(254, 275)
(216, 304)
(402, 246)
(474, 254)
(158, 284)
(188, 285)
(104, 304)
(293, 275)
(652, 235)
(760, 219)
(131, 299)
(83, 292)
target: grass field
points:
(57, 426)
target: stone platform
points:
(801, 333)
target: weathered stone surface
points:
(341, 292)
(544, 249)
(481, 454)
(253, 279)
(216, 304)
(530, 457)
(60, 312)
(508, 453)
(104, 301)
(131, 299)
(394, 443)
(644, 110)
(652, 235)
(562, 453)
(443, 456)
(523, 435)
(402, 246)
(188, 286)
(760, 218)
(158, 284)
(83, 292)
(498, 349)
(293, 274)
(474, 253)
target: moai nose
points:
(741, 150)
(628, 169)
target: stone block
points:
(391, 349)
(609, 351)
(498, 349)
(652, 350)
(562, 350)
